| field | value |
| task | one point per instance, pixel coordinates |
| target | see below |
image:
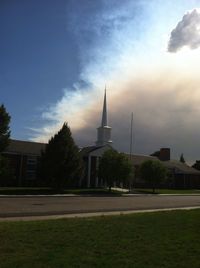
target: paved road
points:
(56, 205)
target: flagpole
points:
(131, 136)
(131, 146)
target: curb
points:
(91, 214)
(93, 195)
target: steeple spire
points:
(104, 121)
(104, 131)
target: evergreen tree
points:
(61, 165)
(182, 159)
(4, 128)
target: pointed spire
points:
(104, 131)
(104, 114)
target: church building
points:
(91, 154)
(180, 174)
(24, 157)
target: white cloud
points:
(186, 33)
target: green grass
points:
(167, 191)
(151, 240)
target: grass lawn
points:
(151, 240)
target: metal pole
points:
(131, 136)
(131, 146)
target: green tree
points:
(153, 172)
(156, 153)
(182, 159)
(61, 164)
(4, 128)
(5, 173)
(196, 165)
(115, 167)
(125, 170)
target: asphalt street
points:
(61, 205)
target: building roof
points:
(85, 151)
(25, 147)
(139, 159)
(174, 165)
(179, 167)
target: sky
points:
(57, 56)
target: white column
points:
(89, 171)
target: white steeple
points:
(104, 114)
(104, 131)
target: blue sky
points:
(57, 56)
(38, 58)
